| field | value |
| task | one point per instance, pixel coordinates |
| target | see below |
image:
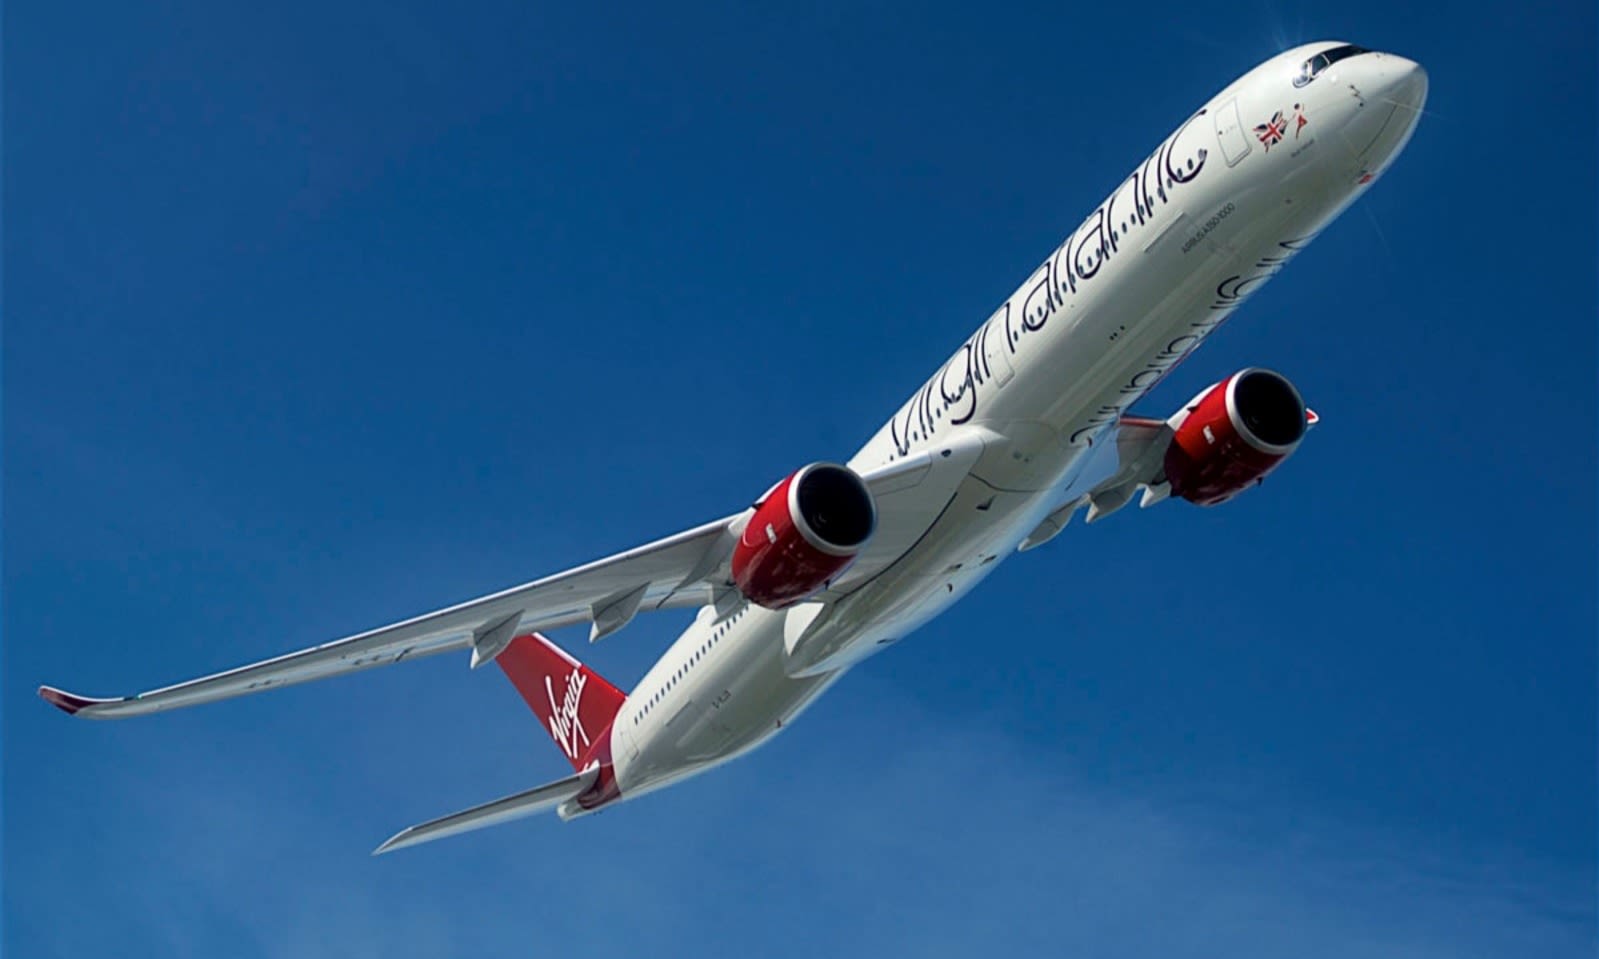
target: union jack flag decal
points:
(1271, 133)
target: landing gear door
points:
(1230, 133)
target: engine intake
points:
(802, 534)
(1230, 436)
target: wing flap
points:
(528, 803)
(1141, 445)
(1140, 450)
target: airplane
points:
(1023, 427)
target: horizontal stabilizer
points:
(493, 813)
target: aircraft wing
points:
(1140, 451)
(493, 813)
(1140, 468)
(688, 569)
(668, 573)
(1140, 446)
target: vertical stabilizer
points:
(573, 702)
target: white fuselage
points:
(1195, 230)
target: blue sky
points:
(322, 315)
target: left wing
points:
(1140, 445)
(1140, 452)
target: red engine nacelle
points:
(803, 533)
(1233, 435)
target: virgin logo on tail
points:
(565, 725)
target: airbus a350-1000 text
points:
(1025, 425)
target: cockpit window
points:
(1309, 70)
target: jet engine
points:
(802, 534)
(1230, 436)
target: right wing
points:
(691, 568)
(669, 573)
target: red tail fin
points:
(575, 704)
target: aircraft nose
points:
(1402, 83)
(1391, 91)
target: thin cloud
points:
(956, 841)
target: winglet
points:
(69, 703)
